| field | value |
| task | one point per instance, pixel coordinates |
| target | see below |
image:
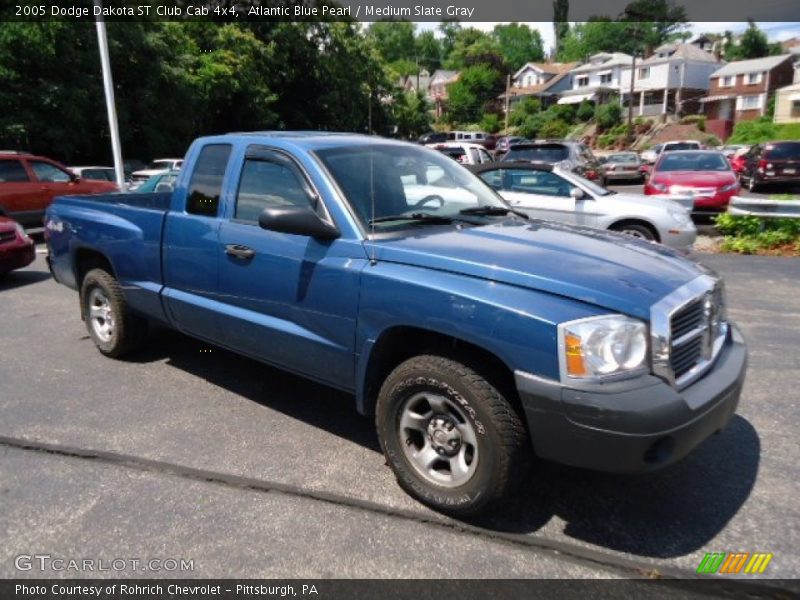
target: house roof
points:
(755, 65)
(551, 68)
(604, 60)
(680, 51)
(795, 87)
(532, 90)
(442, 75)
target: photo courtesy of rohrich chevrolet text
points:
(358, 298)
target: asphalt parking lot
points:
(191, 452)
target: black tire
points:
(126, 332)
(638, 230)
(501, 451)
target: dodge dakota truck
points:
(477, 337)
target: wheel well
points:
(86, 260)
(620, 224)
(401, 343)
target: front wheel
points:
(113, 328)
(451, 438)
(636, 230)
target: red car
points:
(705, 175)
(29, 183)
(16, 248)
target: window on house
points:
(795, 110)
(751, 102)
(753, 78)
(726, 81)
(644, 73)
(582, 81)
(605, 78)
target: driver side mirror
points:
(298, 220)
(577, 194)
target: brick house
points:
(740, 91)
(437, 89)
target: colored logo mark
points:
(734, 563)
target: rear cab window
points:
(205, 186)
(12, 171)
(782, 151)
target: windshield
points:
(543, 153)
(784, 151)
(623, 158)
(404, 180)
(682, 146)
(694, 161)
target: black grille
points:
(686, 356)
(686, 319)
(7, 236)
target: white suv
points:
(466, 154)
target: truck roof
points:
(308, 140)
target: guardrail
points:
(761, 207)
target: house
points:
(437, 88)
(787, 100)
(538, 80)
(597, 80)
(419, 81)
(741, 90)
(672, 80)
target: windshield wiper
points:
(491, 211)
(426, 217)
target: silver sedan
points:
(549, 192)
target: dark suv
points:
(573, 156)
(771, 162)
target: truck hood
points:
(605, 269)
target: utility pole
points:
(508, 106)
(111, 108)
(630, 96)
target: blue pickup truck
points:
(477, 337)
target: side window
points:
(205, 186)
(543, 183)
(47, 173)
(474, 157)
(493, 178)
(12, 171)
(268, 183)
(485, 158)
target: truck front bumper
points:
(636, 425)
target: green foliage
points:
(524, 109)
(698, 121)
(554, 128)
(394, 40)
(491, 123)
(474, 47)
(532, 125)
(752, 44)
(585, 111)
(751, 235)
(711, 140)
(428, 51)
(563, 112)
(608, 115)
(468, 97)
(763, 130)
(411, 114)
(518, 44)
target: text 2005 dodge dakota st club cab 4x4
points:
(476, 336)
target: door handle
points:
(239, 251)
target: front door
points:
(290, 300)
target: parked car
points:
(29, 183)
(572, 156)
(129, 166)
(738, 159)
(650, 155)
(771, 162)
(546, 192)
(160, 165)
(623, 166)
(466, 154)
(705, 175)
(95, 173)
(435, 137)
(165, 180)
(16, 248)
(730, 150)
(505, 142)
(474, 335)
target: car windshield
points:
(694, 161)
(784, 151)
(544, 153)
(386, 180)
(623, 158)
(682, 146)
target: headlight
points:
(680, 216)
(21, 232)
(729, 187)
(660, 187)
(600, 347)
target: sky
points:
(775, 31)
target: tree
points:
(527, 107)
(476, 87)
(518, 44)
(428, 51)
(608, 115)
(449, 28)
(752, 44)
(560, 21)
(554, 128)
(411, 114)
(654, 22)
(393, 39)
(585, 111)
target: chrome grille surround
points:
(698, 313)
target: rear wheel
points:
(453, 441)
(113, 328)
(637, 230)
